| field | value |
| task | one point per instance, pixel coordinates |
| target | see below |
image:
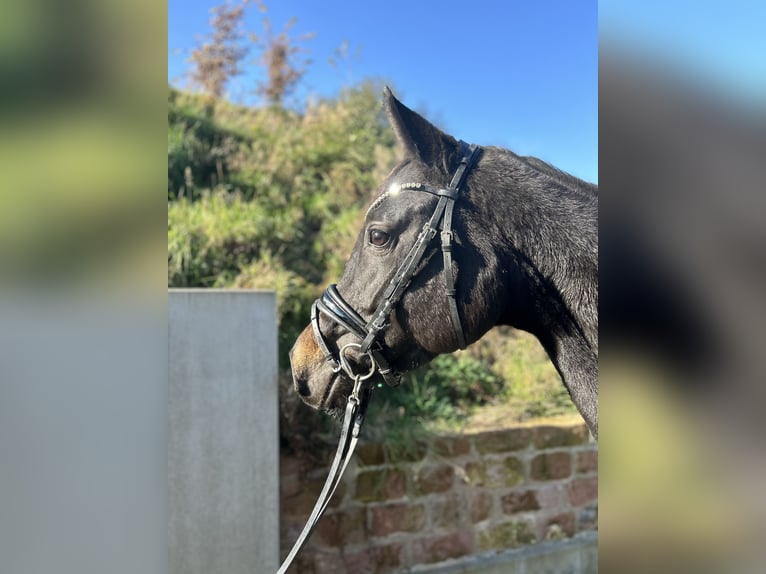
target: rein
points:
(369, 332)
(353, 418)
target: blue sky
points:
(720, 43)
(521, 75)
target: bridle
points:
(369, 332)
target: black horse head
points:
(523, 250)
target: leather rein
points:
(369, 332)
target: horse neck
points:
(548, 244)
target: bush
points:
(294, 296)
(273, 198)
(211, 240)
(199, 149)
(291, 191)
(532, 387)
(447, 389)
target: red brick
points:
(303, 502)
(506, 535)
(566, 521)
(379, 485)
(583, 491)
(385, 520)
(289, 485)
(370, 454)
(587, 461)
(329, 562)
(289, 464)
(342, 528)
(506, 472)
(289, 530)
(290, 474)
(304, 562)
(388, 558)
(410, 452)
(445, 512)
(481, 505)
(551, 436)
(503, 440)
(559, 526)
(475, 473)
(451, 446)
(430, 550)
(520, 501)
(359, 562)
(551, 466)
(551, 496)
(435, 479)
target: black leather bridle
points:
(369, 332)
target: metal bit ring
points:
(347, 368)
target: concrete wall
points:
(578, 555)
(223, 461)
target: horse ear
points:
(419, 138)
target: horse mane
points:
(560, 176)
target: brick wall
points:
(452, 497)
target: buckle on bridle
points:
(446, 240)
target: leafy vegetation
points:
(286, 199)
(269, 197)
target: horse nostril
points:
(301, 385)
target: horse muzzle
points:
(317, 382)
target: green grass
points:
(507, 371)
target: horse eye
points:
(379, 238)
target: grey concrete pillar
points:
(223, 458)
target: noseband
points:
(370, 332)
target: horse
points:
(519, 244)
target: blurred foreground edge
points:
(682, 280)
